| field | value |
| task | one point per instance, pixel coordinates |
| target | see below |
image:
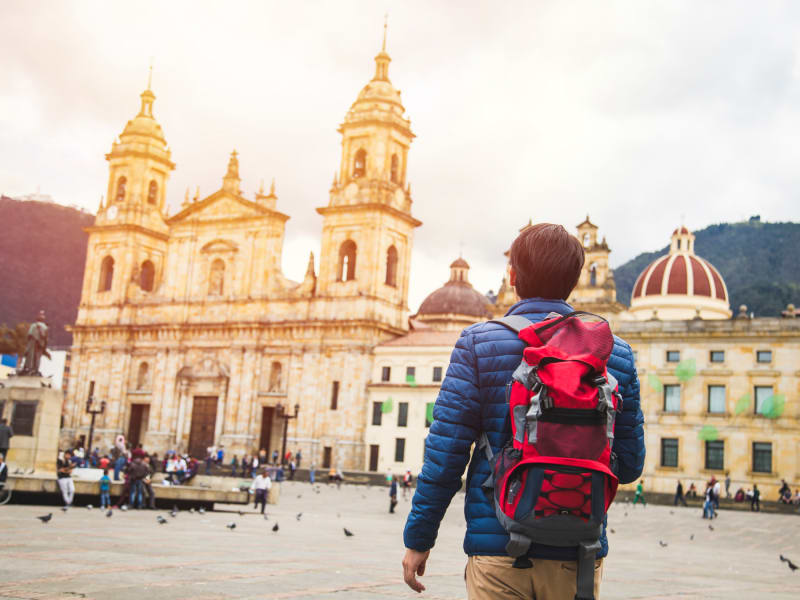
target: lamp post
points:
(286, 418)
(94, 411)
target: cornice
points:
(370, 206)
(139, 154)
(126, 227)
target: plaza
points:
(83, 554)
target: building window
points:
(762, 392)
(672, 398)
(275, 377)
(393, 172)
(593, 275)
(327, 453)
(147, 276)
(106, 274)
(762, 457)
(335, 395)
(121, 184)
(360, 164)
(716, 356)
(347, 261)
(715, 455)
(716, 399)
(23, 417)
(399, 449)
(141, 376)
(216, 278)
(673, 356)
(386, 374)
(411, 373)
(437, 374)
(152, 192)
(377, 413)
(402, 414)
(391, 266)
(764, 356)
(669, 452)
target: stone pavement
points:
(83, 554)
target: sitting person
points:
(739, 497)
(796, 498)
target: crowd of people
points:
(713, 493)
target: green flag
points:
(386, 406)
(686, 369)
(411, 380)
(773, 406)
(708, 433)
(654, 382)
(742, 404)
(429, 412)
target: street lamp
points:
(94, 411)
(286, 418)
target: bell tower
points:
(127, 243)
(367, 226)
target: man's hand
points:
(414, 564)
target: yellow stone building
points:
(189, 329)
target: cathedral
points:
(191, 333)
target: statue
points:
(36, 348)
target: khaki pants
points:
(493, 577)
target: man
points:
(6, 433)
(406, 483)
(639, 495)
(3, 470)
(546, 262)
(36, 346)
(755, 504)
(138, 471)
(393, 494)
(679, 495)
(64, 468)
(261, 485)
(727, 484)
(148, 482)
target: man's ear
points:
(512, 276)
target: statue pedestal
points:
(35, 444)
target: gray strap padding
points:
(514, 322)
(587, 552)
(483, 444)
(517, 545)
(519, 423)
(526, 375)
(533, 415)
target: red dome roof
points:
(682, 274)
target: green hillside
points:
(42, 255)
(759, 262)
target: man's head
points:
(546, 262)
(67, 454)
(41, 315)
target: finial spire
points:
(382, 60)
(261, 188)
(385, 27)
(272, 187)
(231, 180)
(150, 74)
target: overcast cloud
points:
(642, 114)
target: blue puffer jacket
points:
(472, 400)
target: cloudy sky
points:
(642, 114)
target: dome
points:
(144, 124)
(456, 303)
(680, 285)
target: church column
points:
(228, 425)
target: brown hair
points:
(547, 261)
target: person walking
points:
(639, 495)
(274, 457)
(137, 471)
(679, 495)
(311, 474)
(407, 478)
(147, 482)
(727, 484)
(261, 485)
(6, 433)
(292, 469)
(717, 491)
(393, 494)
(64, 468)
(708, 502)
(234, 464)
(105, 490)
(298, 457)
(755, 504)
(546, 262)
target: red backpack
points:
(553, 481)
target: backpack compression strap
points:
(515, 323)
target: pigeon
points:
(275, 527)
(691, 537)
(45, 518)
(173, 513)
(347, 532)
(710, 527)
(672, 512)
(191, 511)
(299, 495)
(201, 510)
(231, 526)
(299, 515)
(662, 544)
(64, 508)
(241, 513)
(109, 513)
(626, 514)
(789, 563)
(124, 507)
(161, 520)
(89, 507)
(266, 518)
(612, 531)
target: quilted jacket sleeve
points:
(456, 425)
(629, 427)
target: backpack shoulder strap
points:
(515, 323)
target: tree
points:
(14, 341)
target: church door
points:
(138, 423)
(204, 420)
(267, 414)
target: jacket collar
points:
(539, 305)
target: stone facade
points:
(191, 332)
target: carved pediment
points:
(207, 367)
(219, 245)
(223, 205)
